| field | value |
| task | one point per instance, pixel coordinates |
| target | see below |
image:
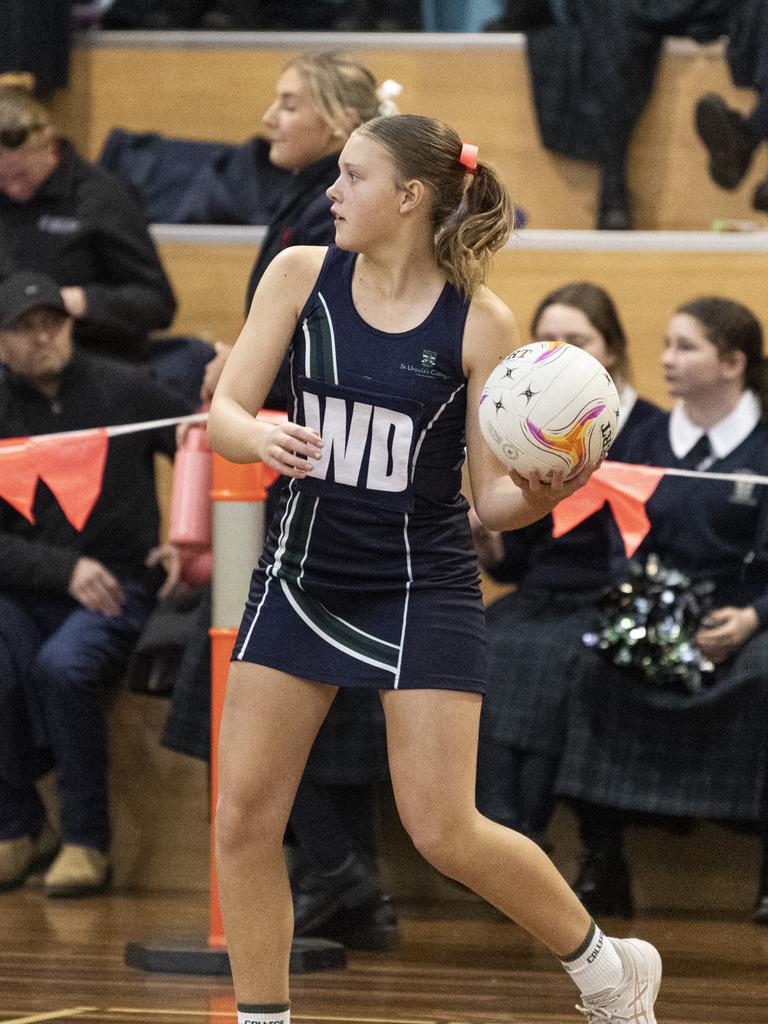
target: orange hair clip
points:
(468, 156)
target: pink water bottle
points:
(190, 517)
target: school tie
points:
(700, 456)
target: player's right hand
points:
(291, 449)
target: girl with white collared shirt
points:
(632, 749)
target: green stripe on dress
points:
(319, 338)
(357, 643)
(295, 545)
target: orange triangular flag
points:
(18, 475)
(73, 468)
(626, 488)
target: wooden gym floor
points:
(63, 961)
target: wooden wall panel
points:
(647, 286)
(210, 284)
(220, 93)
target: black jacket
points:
(303, 218)
(83, 227)
(124, 524)
(191, 181)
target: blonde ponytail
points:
(338, 84)
(478, 228)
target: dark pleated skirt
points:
(534, 661)
(703, 756)
(351, 747)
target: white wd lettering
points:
(391, 434)
(384, 422)
(347, 452)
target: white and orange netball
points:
(548, 406)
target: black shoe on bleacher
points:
(728, 139)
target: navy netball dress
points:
(368, 577)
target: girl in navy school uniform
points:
(534, 632)
(369, 578)
(631, 748)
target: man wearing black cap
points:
(71, 602)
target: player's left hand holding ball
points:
(547, 493)
(290, 449)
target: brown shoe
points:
(77, 871)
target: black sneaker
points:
(615, 218)
(372, 927)
(318, 895)
(604, 885)
(727, 137)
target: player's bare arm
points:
(253, 364)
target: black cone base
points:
(191, 957)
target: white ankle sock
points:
(595, 965)
(263, 1013)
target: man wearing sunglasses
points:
(68, 218)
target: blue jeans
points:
(56, 661)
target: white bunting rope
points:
(276, 417)
(746, 478)
(115, 431)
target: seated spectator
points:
(65, 217)
(592, 73)
(71, 603)
(36, 39)
(534, 633)
(730, 137)
(689, 743)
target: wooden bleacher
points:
(649, 275)
(216, 87)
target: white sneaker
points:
(632, 1002)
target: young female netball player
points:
(368, 577)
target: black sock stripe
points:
(583, 947)
(263, 1007)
